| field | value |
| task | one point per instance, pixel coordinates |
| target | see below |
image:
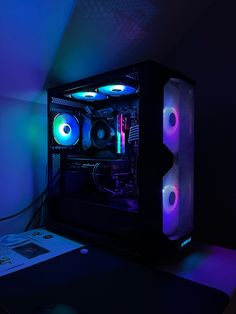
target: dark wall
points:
(104, 35)
(207, 53)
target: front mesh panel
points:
(178, 137)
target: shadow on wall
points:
(23, 159)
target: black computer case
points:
(120, 158)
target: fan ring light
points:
(170, 198)
(88, 96)
(117, 90)
(66, 129)
(170, 120)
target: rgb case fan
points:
(124, 172)
(66, 129)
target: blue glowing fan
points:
(88, 96)
(66, 129)
(117, 90)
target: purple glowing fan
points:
(177, 193)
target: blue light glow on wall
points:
(23, 159)
(31, 32)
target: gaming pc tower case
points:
(120, 158)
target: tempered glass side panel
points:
(177, 194)
(98, 163)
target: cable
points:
(99, 186)
(42, 217)
(35, 214)
(41, 207)
(4, 309)
(26, 208)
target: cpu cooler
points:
(101, 133)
